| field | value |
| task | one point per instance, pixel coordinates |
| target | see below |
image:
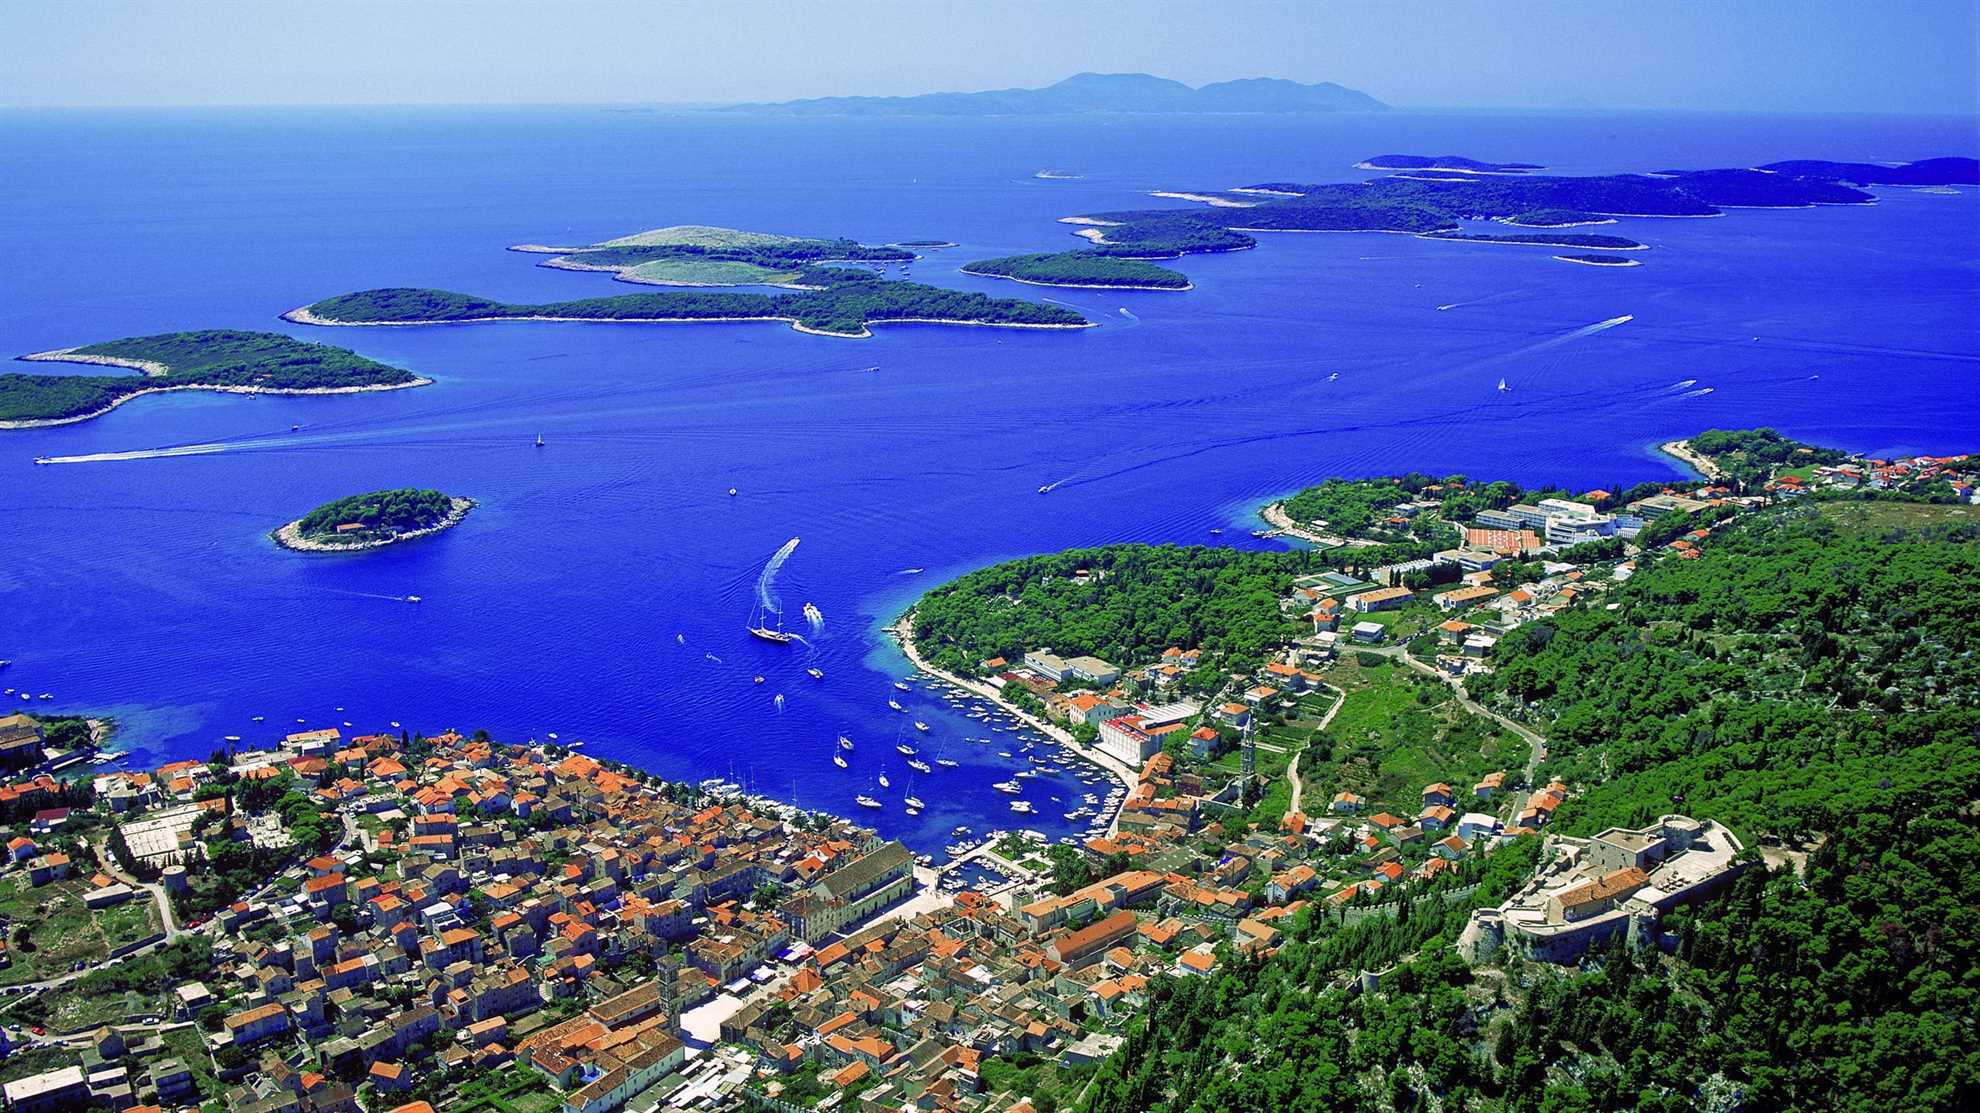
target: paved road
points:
(157, 891)
(1292, 768)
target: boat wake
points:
(815, 618)
(766, 595)
(137, 454)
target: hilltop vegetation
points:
(1791, 681)
(1081, 268)
(1135, 601)
(216, 358)
(1747, 457)
(381, 513)
(845, 307)
(697, 255)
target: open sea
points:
(601, 589)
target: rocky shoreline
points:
(290, 536)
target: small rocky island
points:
(224, 360)
(373, 520)
(700, 255)
(1082, 269)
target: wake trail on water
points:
(766, 593)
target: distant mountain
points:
(1095, 92)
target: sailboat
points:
(884, 783)
(839, 759)
(1503, 388)
(539, 440)
(761, 614)
(845, 743)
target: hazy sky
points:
(1797, 55)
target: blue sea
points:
(601, 590)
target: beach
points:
(1681, 450)
(902, 633)
(148, 367)
(290, 536)
(1275, 513)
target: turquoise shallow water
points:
(601, 588)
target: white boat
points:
(914, 802)
(920, 766)
(233, 738)
(948, 763)
(906, 749)
(919, 725)
(816, 674)
(865, 801)
(884, 783)
(839, 760)
(1022, 806)
(1011, 787)
(756, 680)
(1503, 388)
(412, 598)
(896, 705)
(845, 743)
(903, 685)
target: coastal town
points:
(326, 923)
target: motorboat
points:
(920, 726)
(816, 674)
(906, 749)
(865, 801)
(896, 705)
(845, 743)
(919, 766)
(839, 760)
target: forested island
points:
(1404, 203)
(1570, 239)
(373, 520)
(1455, 163)
(699, 255)
(1594, 260)
(213, 359)
(1797, 664)
(1093, 269)
(846, 304)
